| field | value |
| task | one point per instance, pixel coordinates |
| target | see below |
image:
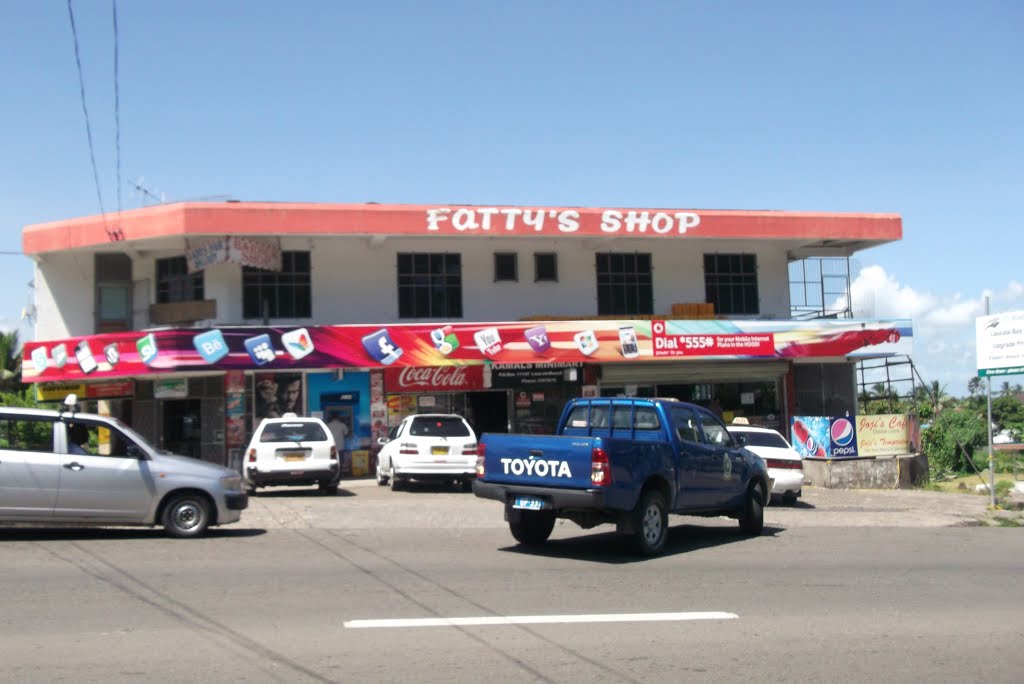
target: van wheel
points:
(533, 528)
(329, 489)
(752, 519)
(651, 523)
(396, 484)
(382, 479)
(467, 484)
(186, 515)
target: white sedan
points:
(437, 447)
(784, 464)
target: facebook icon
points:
(381, 348)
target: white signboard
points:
(1000, 343)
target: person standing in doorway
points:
(340, 430)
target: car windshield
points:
(293, 432)
(439, 426)
(765, 439)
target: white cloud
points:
(944, 345)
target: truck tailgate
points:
(538, 460)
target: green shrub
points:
(952, 438)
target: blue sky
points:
(906, 107)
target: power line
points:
(113, 234)
(117, 111)
(85, 109)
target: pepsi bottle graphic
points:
(803, 436)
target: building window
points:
(506, 266)
(284, 294)
(175, 284)
(730, 283)
(113, 292)
(545, 267)
(429, 285)
(625, 284)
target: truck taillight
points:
(480, 452)
(600, 469)
(252, 455)
(334, 453)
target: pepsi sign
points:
(843, 436)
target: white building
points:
(157, 313)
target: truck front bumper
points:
(557, 499)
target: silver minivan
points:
(70, 467)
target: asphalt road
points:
(284, 596)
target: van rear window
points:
(293, 432)
(438, 427)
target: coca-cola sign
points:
(433, 379)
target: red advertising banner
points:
(452, 345)
(710, 345)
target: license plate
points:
(295, 457)
(528, 503)
(439, 451)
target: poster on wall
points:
(824, 436)
(278, 394)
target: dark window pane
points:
(284, 294)
(624, 284)
(730, 283)
(505, 266)
(545, 267)
(429, 285)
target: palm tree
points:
(974, 385)
(937, 393)
(1005, 389)
(10, 361)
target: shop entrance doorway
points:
(487, 411)
(182, 422)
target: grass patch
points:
(966, 484)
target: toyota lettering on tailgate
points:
(520, 466)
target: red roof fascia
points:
(193, 219)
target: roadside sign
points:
(1000, 344)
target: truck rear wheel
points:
(650, 523)
(533, 527)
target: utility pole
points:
(991, 458)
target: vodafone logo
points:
(438, 377)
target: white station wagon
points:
(70, 467)
(435, 447)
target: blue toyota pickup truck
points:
(625, 461)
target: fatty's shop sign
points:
(514, 220)
(697, 344)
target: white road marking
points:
(536, 620)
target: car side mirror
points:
(740, 439)
(382, 440)
(134, 451)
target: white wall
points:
(355, 280)
(64, 295)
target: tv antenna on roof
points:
(162, 198)
(146, 192)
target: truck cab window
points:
(715, 432)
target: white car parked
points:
(785, 465)
(434, 447)
(292, 451)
